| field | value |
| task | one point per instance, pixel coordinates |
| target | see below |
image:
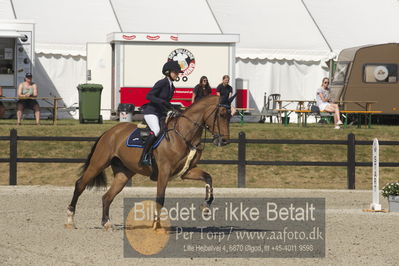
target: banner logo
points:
(185, 59)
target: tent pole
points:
(214, 17)
(13, 9)
(116, 17)
(317, 26)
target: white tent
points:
(62, 30)
(284, 45)
(280, 50)
(356, 22)
(6, 11)
(181, 16)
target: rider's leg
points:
(153, 123)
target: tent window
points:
(380, 73)
(340, 72)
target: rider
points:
(154, 111)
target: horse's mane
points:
(208, 100)
(205, 101)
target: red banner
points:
(137, 96)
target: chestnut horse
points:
(176, 156)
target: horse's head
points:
(217, 120)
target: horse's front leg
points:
(161, 188)
(199, 174)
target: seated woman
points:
(323, 102)
(27, 89)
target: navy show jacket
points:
(160, 94)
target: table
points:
(241, 112)
(366, 105)
(54, 99)
(300, 106)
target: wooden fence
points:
(241, 161)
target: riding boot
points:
(145, 158)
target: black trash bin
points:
(125, 111)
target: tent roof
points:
(271, 29)
(356, 22)
(181, 16)
(66, 26)
(6, 11)
(268, 28)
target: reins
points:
(197, 126)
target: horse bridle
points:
(202, 125)
(214, 121)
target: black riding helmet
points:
(171, 66)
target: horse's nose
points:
(224, 142)
(220, 141)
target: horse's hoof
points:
(108, 226)
(161, 230)
(156, 225)
(70, 226)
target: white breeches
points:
(153, 122)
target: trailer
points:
(16, 54)
(368, 73)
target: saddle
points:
(137, 140)
(138, 137)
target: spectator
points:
(324, 103)
(224, 90)
(2, 108)
(201, 90)
(27, 89)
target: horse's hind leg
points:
(122, 176)
(80, 186)
(199, 174)
(94, 170)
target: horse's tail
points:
(99, 180)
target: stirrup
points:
(146, 161)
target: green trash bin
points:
(90, 103)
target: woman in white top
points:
(323, 102)
(27, 89)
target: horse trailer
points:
(368, 73)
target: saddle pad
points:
(134, 140)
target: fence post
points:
(241, 160)
(13, 157)
(351, 161)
